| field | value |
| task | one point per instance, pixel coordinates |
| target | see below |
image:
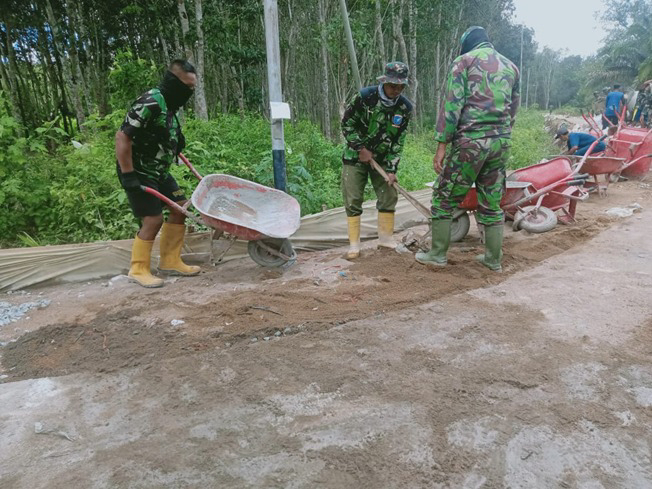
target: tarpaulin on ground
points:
(23, 267)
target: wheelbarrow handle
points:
(635, 160)
(189, 165)
(579, 181)
(172, 204)
(611, 124)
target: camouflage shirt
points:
(644, 101)
(155, 133)
(482, 96)
(367, 123)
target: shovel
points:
(418, 205)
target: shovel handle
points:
(418, 205)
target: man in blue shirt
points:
(578, 142)
(613, 106)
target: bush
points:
(530, 141)
(72, 194)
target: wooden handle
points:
(418, 205)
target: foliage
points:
(129, 77)
(530, 142)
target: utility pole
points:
(520, 66)
(278, 110)
(349, 42)
(527, 89)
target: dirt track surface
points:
(374, 374)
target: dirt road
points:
(377, 374)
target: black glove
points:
(129, 181)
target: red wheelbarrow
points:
(264, 216)
(634, 145)
(532, 197)
(601, 165)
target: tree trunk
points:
(438, 84)
(326, 121)
(65, 67)
(4, 84)
(238, 83)
(164, 44)
(414, 82)
(527, 90)
(185, 27)
(224, 98)
(289, 72)
(178, 50)
(101, 74)
(49, 73)
(344, 81)
(74, 59)
(379, 36)
(200, 93)
(12, 79)
(397, 30)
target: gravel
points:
(10, 313)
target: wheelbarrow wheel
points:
(272, 252)
(460, 227)
(539, 221)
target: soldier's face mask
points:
(175, 92)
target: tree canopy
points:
(73, 58)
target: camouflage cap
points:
(395, 72)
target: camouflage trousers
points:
(479, 161)
(354, 181)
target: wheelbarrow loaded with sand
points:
(263, 216)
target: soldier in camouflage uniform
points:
(148, 142)
(374, 126)
(480, 109)
(644, 104)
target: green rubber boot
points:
(493, 244)
(441, 238)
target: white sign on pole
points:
(280, 110)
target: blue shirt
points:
(583, 141)
(580, 139)
(614, 99)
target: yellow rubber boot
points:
(354, 237)
(171, 244)
(386, 230)
(139, 271)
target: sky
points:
(563, 24)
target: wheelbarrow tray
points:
(601, 165)
(632, 143)
(513, 192)
(245, 209)
(546, 173)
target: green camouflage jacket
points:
(644, 101)
(155, 133)
(482, 96)
(367, 123)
